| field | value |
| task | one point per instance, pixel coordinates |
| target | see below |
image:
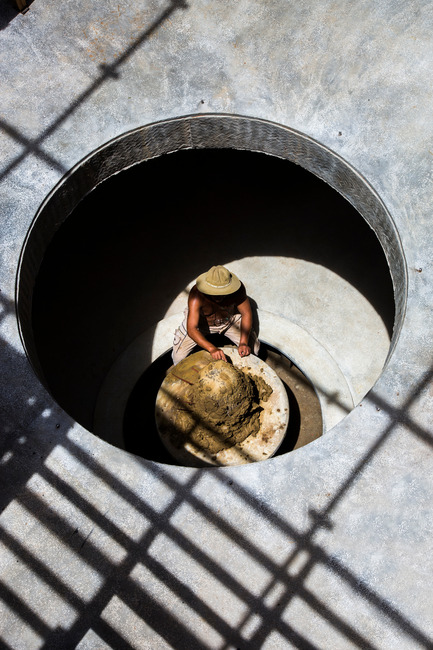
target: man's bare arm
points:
(244, 309)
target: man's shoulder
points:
(195, 295)
(240, 295)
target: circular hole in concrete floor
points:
(129, 249)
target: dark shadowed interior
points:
(132, 245)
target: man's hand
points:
(244, 350)
(218, 355)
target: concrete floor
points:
(328, 546)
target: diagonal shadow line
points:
(7, 304)
(186, 594)
(7, 308)
(30, 147)
(157, 617)
(85, 507)
(323, 519)
(296, 588)
(254, 602)
(331, 563)
(106, 633)
(304, 542)
(5, 646)
(399, 414)
(41, 569)
(299, 590)
(125, 587)
(23, 611)
(107, 72)
(167, 529)
(324, 558)
(302, 539)
(192, 550)
(320, 556)
(84, 608)
(400, 419)
(32, 503)
(112, 583)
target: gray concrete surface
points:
(326, 547)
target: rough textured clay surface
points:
(210, 405)
(223, 411)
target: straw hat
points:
(218, 281)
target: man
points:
(217, 304)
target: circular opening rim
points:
(210, 131)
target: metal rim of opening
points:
(210, 131)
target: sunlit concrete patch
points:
(97, 489)
(119, 478)
(224, 556)
(328, 604)
(92, 640)
(7, 456)
(275, 641)
(29, 518)
(265, 538)
(90, 525)
(298, 562)
(9, 331)
(387, 537)
(16, 630)
(23, 576)
(139, 632)
(205, 582)
(181, 598)
(331, 309)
